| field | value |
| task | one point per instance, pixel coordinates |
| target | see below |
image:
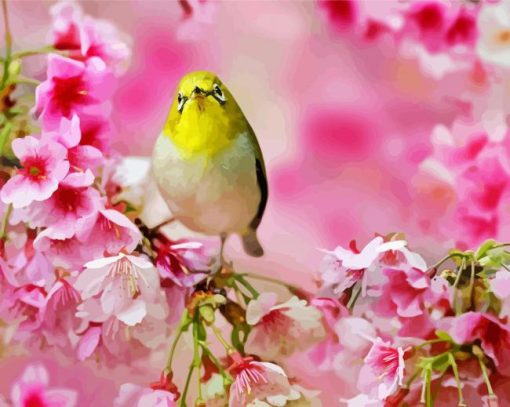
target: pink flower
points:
(131, 395)
(493, 335)
(500, 284)
(343, 268)
(70, 87)
(126, 284)
(183, 262)
(44, 166)
(87, 37)
(80, 157)
(29, 309)
(258, 381)
(67, 252)
(32, 390)
(281, 329)
(108, 230)
(383, 371)
(325, 351)
(66, 30)
(408, 296)
(73, 200)
(95, 132)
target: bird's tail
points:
(251, 244)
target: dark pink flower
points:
(70, 87)
(32, 390)
(383, 371)
(44, 166)
(493, 335)
(73, 200)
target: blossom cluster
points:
(83, 275)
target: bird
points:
(208, 164)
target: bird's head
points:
(204, 116)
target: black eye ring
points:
(218, 94)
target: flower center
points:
(504, 37)
(69, 92)
(35, 168)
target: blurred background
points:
(343, 123)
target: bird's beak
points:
(199, 95)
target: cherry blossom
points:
(126, 284)
(260, 381)
(43, 167)
(383, 371)
(281, 329)
(494, 39)
(70, 87)
(135, 395)
(32, 389)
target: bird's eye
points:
(180, 102)
(218, 94)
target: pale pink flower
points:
(70, 87)
(343, 268)
(81, 157)
(133, 395)
(44, 166)
(32, 389)
(29, 309)
(361, 400)
(500, 284)
(126, 285)
(67, 252)
(494, 25)
(383, 371)
(66, 29)
(108, 231)
(87, 37)
(74, 199)
(278, 330)
(408, 296)
(493, 335)
(258, 381)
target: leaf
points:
(444, 335)
(484, 248)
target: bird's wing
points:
(262, 183)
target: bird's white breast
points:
(211, 195)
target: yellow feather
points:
(204, 126)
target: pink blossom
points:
(493, 335)
(44, 166)
(95, 132)
(67, 252)
(66, 30)
(325, 351)
(70, 87)
(88, 37)
(29, 309)
(132, 395)
(278, 330)
(80, 157)
(32, 389)
(258, 381)
(184, 262)
(126, 285)
(73, 200)
(383, 371)
(343, 268)
(108, 231)
(500, 284)
(408, 296)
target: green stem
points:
(222, 340)
(216, 362)
(290, 287)
(197, 360)
(354, 298)
(430, 342)
(486, 377)
(4, 136)
(254, 293)
(5, 221)
(428, 375)
(25, 80)
(180, 329)
(412, 378)
(182, 402)
(8, 44)
(31, 52)
(457, 378)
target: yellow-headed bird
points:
(208, 164)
